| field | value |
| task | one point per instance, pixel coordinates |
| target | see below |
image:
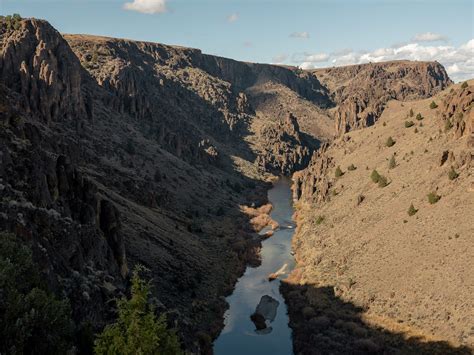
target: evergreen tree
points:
(137, 329)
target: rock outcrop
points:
(360, 92)
(285, 150)
(38, 63)
(313, 183)
(458, 111)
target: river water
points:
(239, 335)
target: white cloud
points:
(304, 35)
(310, 57)
(146, 6)
(279, 59)
(317, 58)
(232, 17)
(428, 37)
(458, 61)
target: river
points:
(239, 335)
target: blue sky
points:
(298, 32)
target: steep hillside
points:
(115, 153)
(389, 261)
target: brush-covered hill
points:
(390, 250)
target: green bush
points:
(351, 167)
(392, 163)
(412, 210)
(382, 181)
(375, 176)
(419, 117)
(320, 220)
(338, 172)
(32, 320)
(390, 142)
(464, 85)
(433, 105)
(452, 175)
(13, 22)
(409, 124)
(137, 329)
(433, 198)
(448, 125)
(411, 114)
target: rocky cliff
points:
(116, 153)
(360, 92)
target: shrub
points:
(375, 176)
(464, 85)
(419, 117)
(351, 167)
(32, 320)
(412, 210)
(452, 175)
(319, 220)
(411, 114)
(382, 181)
(13, 22)
(392, 163)
(409, 124)
(390, 142)
(447, 125)
(137, 329)
(338, 172)
(433, 105)
(433, 198)
(416, 130)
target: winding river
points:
(239, 335)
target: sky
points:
(305, 33)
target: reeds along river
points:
(240, 335)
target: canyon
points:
(116, 153)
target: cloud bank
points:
(149, 7)
(458, 61)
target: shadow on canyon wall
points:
(323, 323)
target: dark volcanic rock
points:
(284, 149)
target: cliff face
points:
(457, 112)
(360, 92)
(38, 63)
(115, 153)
